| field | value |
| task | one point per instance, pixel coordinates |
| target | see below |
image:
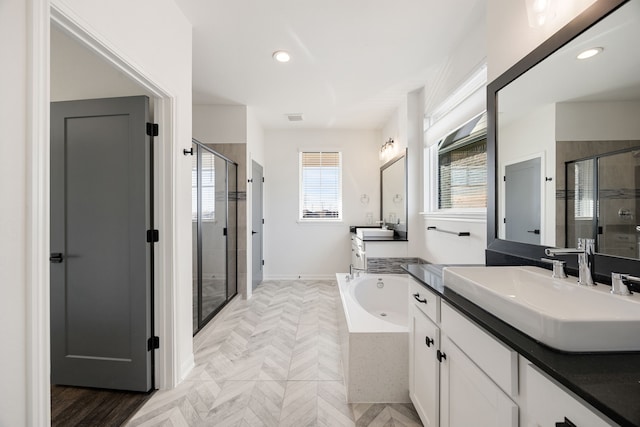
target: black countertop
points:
(610, 382)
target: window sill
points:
(473, 216)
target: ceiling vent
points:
(294, 117)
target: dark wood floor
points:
(84, 407)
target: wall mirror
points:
(564, 140)
(393, 193)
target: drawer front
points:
(549, 404)
(498, 361)
(425, 300)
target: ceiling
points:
(352, 62)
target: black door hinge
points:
(263, 179)
(153, 236)
(224, 231)
(152, 129)
(263, 220)
(262, 262)
(153, 343)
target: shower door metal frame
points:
(200, 147)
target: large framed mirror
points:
(564, 144)
(393, 194)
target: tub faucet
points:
(585, 252)
(356, 269)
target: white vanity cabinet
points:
(424, 369)
(447, 386)
(363, 249)
(460, 375)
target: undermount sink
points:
(364, 233)
(556, 312)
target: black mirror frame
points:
(504, 252)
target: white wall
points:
(315, 250)
(156, 37)
(509, 36)
(78, 73)
(13, 221)
(220, 124)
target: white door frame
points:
(41, 13)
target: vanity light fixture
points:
(387, 145)
(540, 12)
(281, 56)
(590, 53)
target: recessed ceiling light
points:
(590, 52)
(281, 56)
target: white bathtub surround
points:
(373, 323)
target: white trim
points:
(38, 399)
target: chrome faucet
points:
(619, 285)
(585, 252)
(356, 269)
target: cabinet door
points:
(468, 397)
(424, 369)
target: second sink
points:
(556, 312)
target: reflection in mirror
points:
(579, 119)
(393, 187)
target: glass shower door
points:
(214, 231)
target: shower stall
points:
(214, 222)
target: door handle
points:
(534, 231)
(56, 258)
(253, 232)
(428, 341)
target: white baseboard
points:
(331, 276)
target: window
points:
(207, 185)
(584, 174)
(460, 168)
(320, 186)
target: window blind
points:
(207, 184)
(462, 176)
(584, 174)
(320, 185)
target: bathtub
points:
(374, 333)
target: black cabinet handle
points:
(428, 341)
(56, 258)
(440, 356)
(417, 297)
(534, 231)
(565, 423)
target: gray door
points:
(257, 224)
(522, 201)
(100, 258)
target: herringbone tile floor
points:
(273, 360)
